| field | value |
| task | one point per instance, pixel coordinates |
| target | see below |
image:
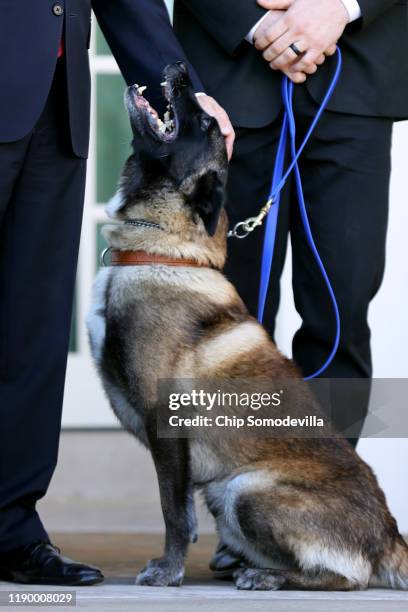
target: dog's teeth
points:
(167, 117)
(163, 84)
(161, 126)
(141, 89)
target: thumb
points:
(278, 5)
(226, 128)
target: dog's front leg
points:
(171, 458)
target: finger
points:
(331, 50)
(307, 63)
(288, 58)
(224, 122)
(296, 77)
(229, 143)
(320, 60)
(214, 110)
(226, 129)
(271, 34)
(280, 45)
(307, 71)
(278, 5)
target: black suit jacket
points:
(138, 31)
(374, 80)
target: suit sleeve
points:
(371, 9)
(228, 21)
(142, 40)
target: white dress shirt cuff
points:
(353, 9)
(250, 36)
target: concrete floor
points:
(105, 483)
(120, 556)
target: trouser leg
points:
(40, 232)
(346, 172)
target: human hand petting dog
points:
(212, 108)
(313, 26)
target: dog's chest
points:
(96, 318)
(136, 330)
(151, 321)
(97, 324)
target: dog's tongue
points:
(141, 102)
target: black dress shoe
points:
(41, 563)
(225, 562)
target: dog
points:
(313, 500)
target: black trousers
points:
(41, 202)
(346, 171)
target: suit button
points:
(58, 10)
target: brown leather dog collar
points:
(140, 258)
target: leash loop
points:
(244, 228)
(279, 179)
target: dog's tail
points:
(393, 568)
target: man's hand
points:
(270, 20)
(314, 26)
(213, 109)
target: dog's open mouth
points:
(166, 128)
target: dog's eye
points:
(205, 123)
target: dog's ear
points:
(207, 199)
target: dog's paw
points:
(252, 579)
(160, 572)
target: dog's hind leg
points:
(262, 515)
(171, 458)
(256, 579)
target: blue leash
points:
(271, 209)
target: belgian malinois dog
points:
(313, 500)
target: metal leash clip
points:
(103, 255)
(243, 228)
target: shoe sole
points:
(85, 581)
